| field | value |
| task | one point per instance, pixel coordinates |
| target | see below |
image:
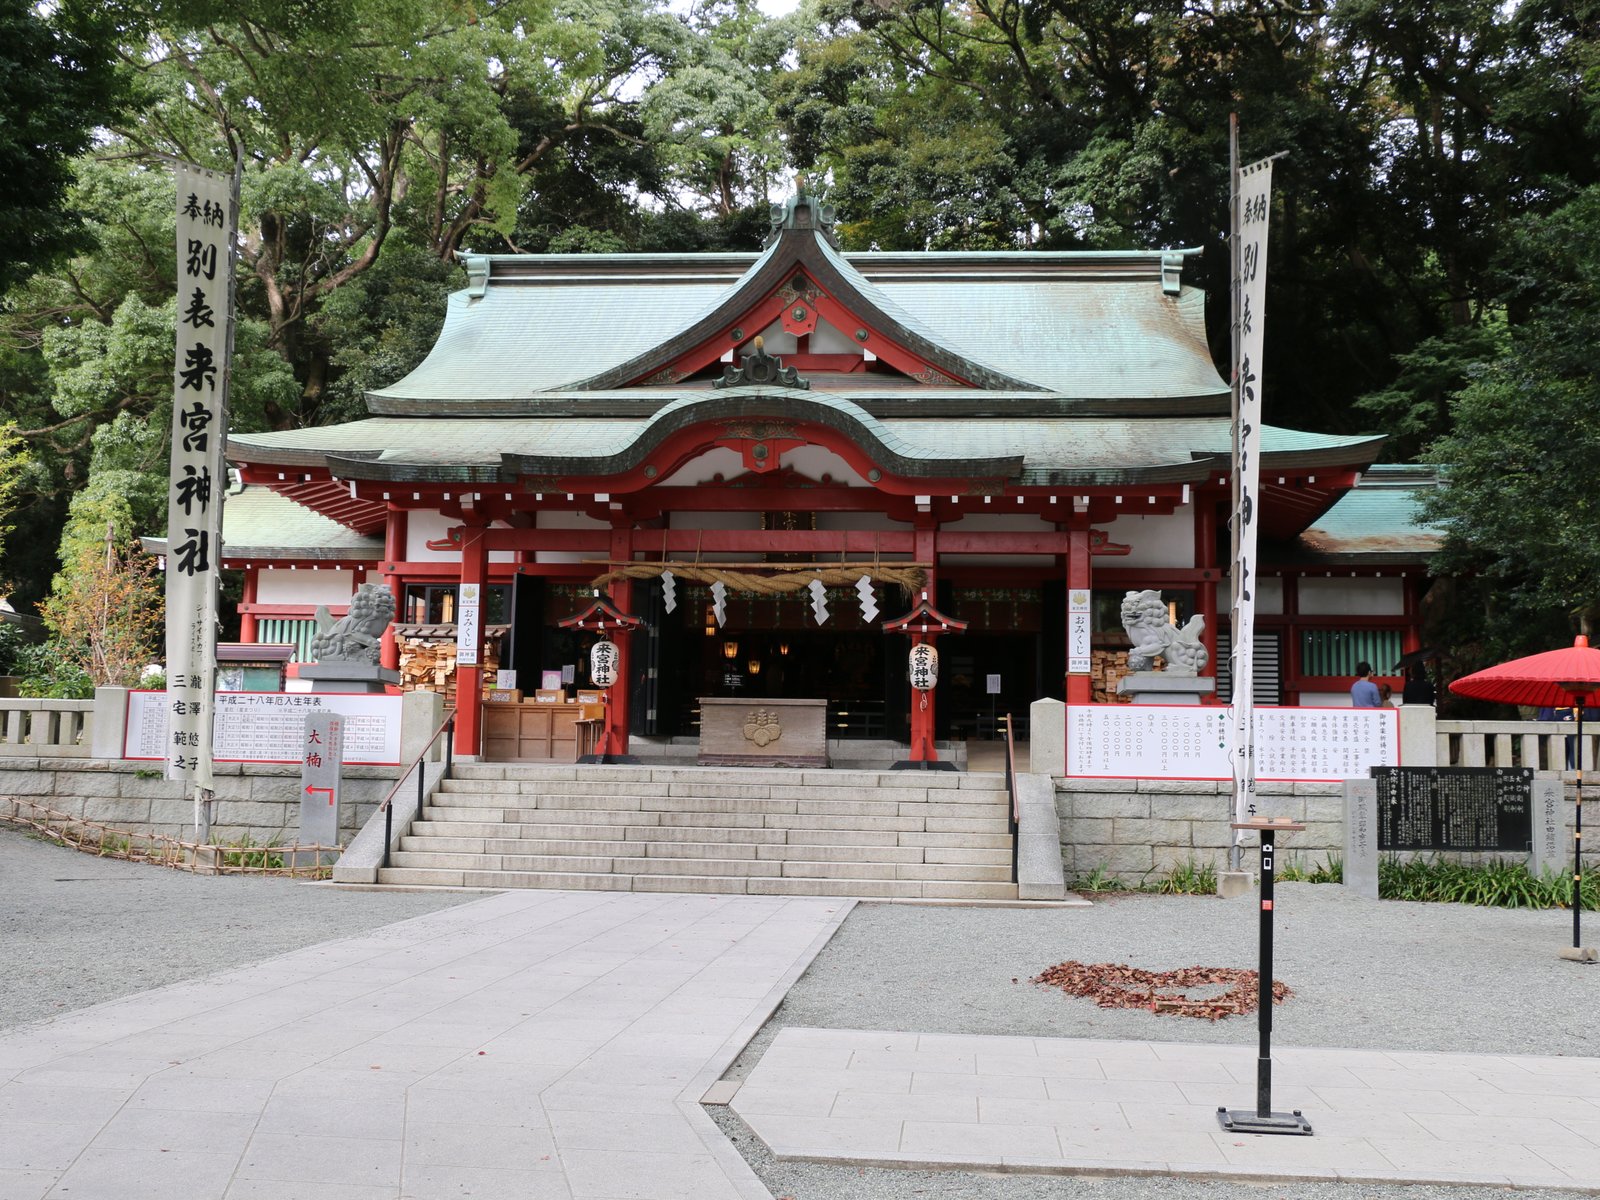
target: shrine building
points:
(766, 458)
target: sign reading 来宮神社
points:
(207, 218)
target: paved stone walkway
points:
(533, 1045)
(1065, 1105)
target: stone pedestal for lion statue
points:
(1153, 636)
(346, 650)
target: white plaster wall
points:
(703, 468)
(564, 519)
(811, 461)
(279, 585)
(1165, 540)
(998, 522)
(1352, 597)
(423, 527)
(1269, 595)
(829, 339)
(816, 461)
(1325, 699)
(775, 339)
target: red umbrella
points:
(1554, 679)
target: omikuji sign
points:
(207, 207)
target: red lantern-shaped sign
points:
(924, 667)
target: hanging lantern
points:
(603, 663)
(924, 667)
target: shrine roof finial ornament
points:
(804, 210)
(763, 369)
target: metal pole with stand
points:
(1263, 1119)
(1580, 693)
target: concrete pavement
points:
(532, 1044)
(544, 1044)
(1063, 1105)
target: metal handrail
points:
(387, 803)
(1015, 812)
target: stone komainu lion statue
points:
(1144, 616)
(354, 638)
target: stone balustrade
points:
(46, 728)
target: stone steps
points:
(740, 831)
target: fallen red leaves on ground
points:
(1117, 985)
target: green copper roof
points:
(1378, 519)
(259, 523)
(1089, 449)
(1102, 326)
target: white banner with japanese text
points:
(207, 219)
(469, 611)
(1080, 632)
(1251, 218)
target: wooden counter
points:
(763, 733)
(531, 731)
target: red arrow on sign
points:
(310, 790)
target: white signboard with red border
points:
(1180, 741)
(269, 727)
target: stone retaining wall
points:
(255, 801)
(1139, 828)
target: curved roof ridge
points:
(807, 248)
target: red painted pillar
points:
(1289, 652)
(394, 553)
(617, 697)
(1205, 557)
(469, 679)
(1079, 575)
(923, 737)
(1411, 635)
(247, 620)
(922, 734)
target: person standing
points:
(1419, 689)
(1363, 692)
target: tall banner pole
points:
(1252, 208)
(207, 222)
(1236, 762)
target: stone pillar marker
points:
(1549, 832)
(1047, 738)
(1361, 837)
(321, 769)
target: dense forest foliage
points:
(1435, 246)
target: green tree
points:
(14, 463)
(1093, 123)
(105, 615)
(57, 84)
(1517, 494)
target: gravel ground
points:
(77, 930)
(1365, 974)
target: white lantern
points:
(603, 663)
(924, 667)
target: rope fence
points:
(199, 858)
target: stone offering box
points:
(763, 733)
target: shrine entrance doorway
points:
(772, 647)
